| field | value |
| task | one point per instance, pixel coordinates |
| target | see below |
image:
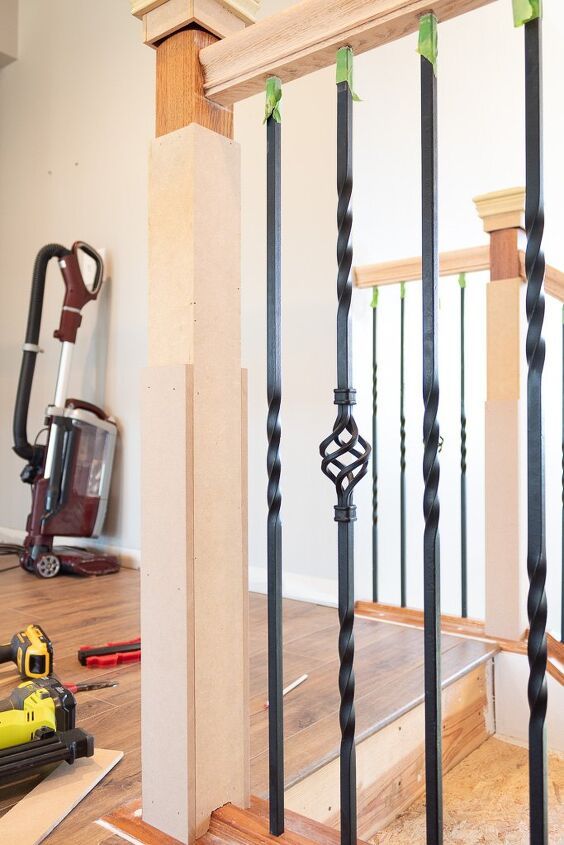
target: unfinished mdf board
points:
(503, 319)
(486, 801)
(39, 812)
(391, 762)
(193, 565)
(306, 36)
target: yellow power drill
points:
(34, 710)
(32, 652)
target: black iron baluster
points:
(345, 454)
(463, 505)
(274, 391)
(374, 306)
(431, 563)
(403, 576)
(536, 545)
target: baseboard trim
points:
(129, 558)
(298, 587)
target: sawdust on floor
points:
(486, 801)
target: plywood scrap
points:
(486, 801)
(39, 812)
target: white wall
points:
(76, 118)
(481, 149)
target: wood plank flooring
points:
(76, 612)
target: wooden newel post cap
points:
(161, 18)
(502, 209)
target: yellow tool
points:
(32, 652)
(34, 710)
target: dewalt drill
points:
(32, 652)
(35, 710)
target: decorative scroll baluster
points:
(274, 392)
(536, 545)
(431, 565)
(345, 454)
(463, 505)
(374, 306)
(403, 578)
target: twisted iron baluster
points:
(274, 524)
(403, 577)
(345, 455)
(374, 305)
(463, 506)
(431, 564)
(536, 546)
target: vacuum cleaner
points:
(70, 474)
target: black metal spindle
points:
(374, 306)
(431, 564)
(536, 545)
(345, 454)
(463, 504)
(274, 391)
(403, 568)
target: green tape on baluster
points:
(525, 11)
(462, 280)
(345, 70)
(402, 290)
(428, 45)
(374, 302)
(273, 97)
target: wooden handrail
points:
(305, 38)
(471, 260)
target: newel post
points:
(195, 754)
(506, 569)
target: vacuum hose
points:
(22, 446)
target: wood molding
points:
(305, 37)
(471, 260)
(459, 627)
(177, 14)
(245, 9)
(502, 209)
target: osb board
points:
(486, 801)
(33, 818)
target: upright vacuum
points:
(70, 474)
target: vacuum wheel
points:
(47, 566)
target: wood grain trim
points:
(452, 263)
(471, 628)
(244, 9)
(553, 280)
(305, 37)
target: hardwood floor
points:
(75, 612)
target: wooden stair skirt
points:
(391, 763)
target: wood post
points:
(506, 569)
(195, 752)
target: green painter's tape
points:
(402, 290)
(273, 97)
(345, 69)
(374, 302)
(462, 280)
(428, 39)
(526, 10)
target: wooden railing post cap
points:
(220, 17)
(502, 209)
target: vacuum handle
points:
(77, 293)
